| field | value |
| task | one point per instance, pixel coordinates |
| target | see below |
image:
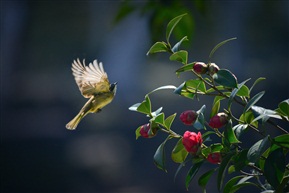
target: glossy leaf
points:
(248, 117)
(185, 68)
(284, 107)
(253, 101)
(258, 149)
(256, 82)
(179, 152)
(192, 172)
(242, 182)
(229, 185)
(216, 105)
(206, 135)
(200, 121)
(157, 112)
(196, 86)
(275, 167)
(235, 91)
(222, 170)
(171, 25)
(134, 107)
(163, 88)
(244, 91)
(180, 56)
(282, 140)
(264, 114)
(159, 118)
(177, 45)
(179, 169)
(283, 184)
(229, 133)
(145, 106)
(169, 120)
(158, 47)
(203, 179)
(240, 160)
(219, 45)
(137, 132)
(240, 129)
(159, 157)
(225, 78)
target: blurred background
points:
(39, 41)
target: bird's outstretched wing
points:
(91, 79)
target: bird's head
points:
(112, 87)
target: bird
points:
(93, 83)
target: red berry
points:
(188, 117)
(147, 132)
(214, 158)
(200, 67)
(219, 120)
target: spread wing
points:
(91, 79)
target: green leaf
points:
(284, 107)
(179, 169)
(258, 149)
(159, 157)
(229, 133)
(145, 106)
(157, 112)
(177, 45)
(248, 117)
(137, 132)
(179, 152)
(229, 185)
(225, 78)
(134, 107)
(219, 45)
(181, 90)
(283, 184)
(206, 135)
(222, 170)
(203, 179)
(235, 91)
(215, 108)
(169, 120)
(185, 68)
(216, 105)
(253, 101)
(256, 82)
(264, 114)
(241, 160)
(200, 121)
(158, 47)
(244, 91)
(171, 25)
(180, 56)
(159, 118)
(240, 129)
(282, 140)
(275, 167)
(192, 172)
(195, 86)
(163, 88)
(233, 186)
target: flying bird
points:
(93, 83)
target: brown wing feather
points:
(91, 79)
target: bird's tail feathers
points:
(74, 122)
